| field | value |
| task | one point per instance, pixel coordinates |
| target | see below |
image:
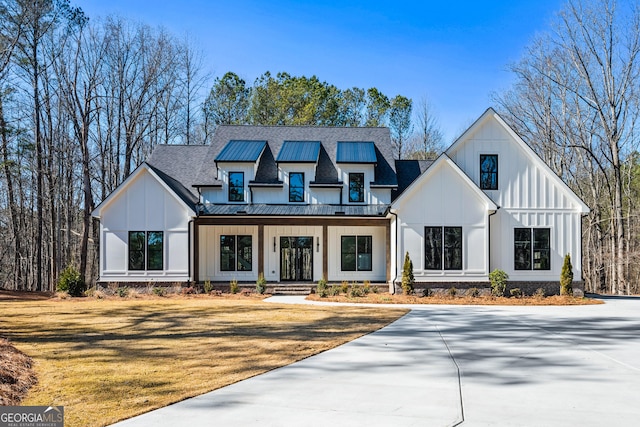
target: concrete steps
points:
(292, 290)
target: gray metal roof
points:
(294, 210)
(299, 152)
(326, 170)
(356, 152)
(241, 151)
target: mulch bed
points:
(16, 374)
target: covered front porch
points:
(291, 251)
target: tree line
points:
(84, 101)
(576, 102)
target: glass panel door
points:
(296, 258)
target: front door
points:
(296, 258)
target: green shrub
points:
(208, 287)
(366, 287)
(566, 277)
(344, 287)
(473, 292)
(498, 279)
(356, 291)
(71, 282)
(452, 292)
(233, 286)
(515, 292)
(539, 293)
(407, 275)
(123, 292)
(159, 291)
(427, 292)
(261, 284)
(334, 290)
(322, 290)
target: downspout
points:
(189, 224)
(489, 234)
(396, 246)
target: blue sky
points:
(455, 53)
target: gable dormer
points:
(297, 164)
(237, 165)
(356, 161)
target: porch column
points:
(196, 252)
(387, 246)
(260, 249)
(325, 252)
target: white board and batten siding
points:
(144, 204)
(443, 197)
(378, 271)
(209, 253)
(529, 195)
(221, 194)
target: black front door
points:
(296, 258)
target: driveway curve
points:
(447, 366)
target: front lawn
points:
(106, 360)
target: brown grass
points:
(386, 298)
(106, 360)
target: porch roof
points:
(294, 210)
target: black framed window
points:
(296, 187)
(443, 248)
(489, 171)
(356, 187)
(236, 253)
(532, 248)
(136, 250)
(146, 250)
(356, 253)
(236, 186)
(154, 250)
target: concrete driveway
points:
(446, 366)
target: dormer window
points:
(488, 171)
(356, 187)
(236, 186)
(296, 187)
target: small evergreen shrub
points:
(356, 291)
(515, 292)
(334, 290)
(233, 286)
(366, 287)
(498, 279)
(159, 291)
(566, 277)
(261, 284)
(322, 289)
(344, 287)
(473, 292)
(208, 287)
(71, 282)
(539, 293)
(452, 292)
(123, 292)
(407, 275)
(427, 292)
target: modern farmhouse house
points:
(303, 203)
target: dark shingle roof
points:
(299, 152)
(241, 151)
(407, 172)
(356, 152)
(178, 166)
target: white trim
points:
(116, 193)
